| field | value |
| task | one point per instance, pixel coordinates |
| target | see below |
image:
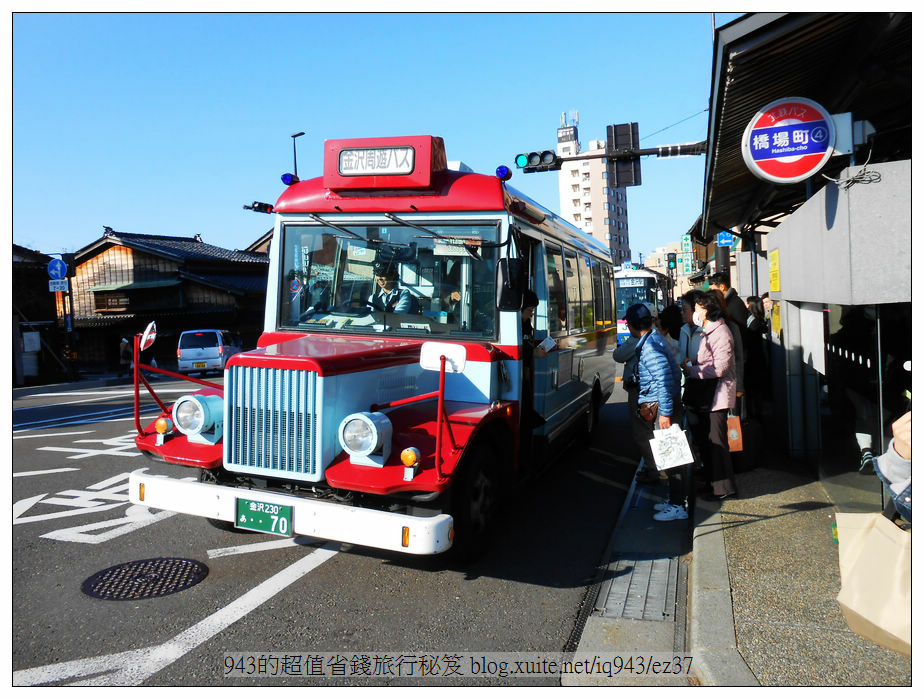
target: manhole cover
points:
(154, 577)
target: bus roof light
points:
(503, 173)
(289, 179)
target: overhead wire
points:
(675, 124)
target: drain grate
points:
(154, 577)
(643, 588)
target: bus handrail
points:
(441, 416)
(138, 375)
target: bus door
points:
(554, 384)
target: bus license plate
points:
(199, 365)
(264, 517)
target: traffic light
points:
(538, 161)
(672, 260)
(624, 172)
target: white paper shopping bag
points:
(670, 448)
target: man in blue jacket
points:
(658, 379)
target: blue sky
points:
(169, 123)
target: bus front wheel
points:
(477, 497)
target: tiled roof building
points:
(124, 280)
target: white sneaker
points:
(670, 513)
(658, 506)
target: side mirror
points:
(150, 334)
(511, 283)
(430, 353)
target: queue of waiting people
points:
(694, 365)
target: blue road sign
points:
(57, 269)
(725, 240)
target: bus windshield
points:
(633, 290)
(389, 279)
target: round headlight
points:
(198, 413)
(359, 435)
(366, 437)
(188, 414)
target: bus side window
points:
(608, 294)
(587, 303)
(554, 272)
(573, 289)
(598, 293)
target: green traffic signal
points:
(538, 161)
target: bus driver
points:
(390, 297)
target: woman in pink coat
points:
(715, 359)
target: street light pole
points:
(294, 154)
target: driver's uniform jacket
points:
(398, 300)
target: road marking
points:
(123, 445)
(54, 434)
(42, 473)
(263, 546)
(131, 668)
(124, 392)
(86, 418)
(136, 517)
(81, 502)
(106, 394)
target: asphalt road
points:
(72, 453)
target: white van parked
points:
(205, 350)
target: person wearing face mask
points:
(690, 332)
(714, 365)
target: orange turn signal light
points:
(141, 491)
(410, 456)
(405, 536)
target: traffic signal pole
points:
(672, 151)
(621, 147)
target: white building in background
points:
(587, 199)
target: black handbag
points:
(698, 394)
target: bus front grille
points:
(271, 422)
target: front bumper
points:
(322, 520)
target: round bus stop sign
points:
(789, 140)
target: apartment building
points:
(588, 199)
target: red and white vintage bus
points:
(386, 404)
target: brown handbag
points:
(648, 412)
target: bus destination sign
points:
(376, 161)
(789, 140)
(383, 163)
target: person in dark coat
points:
(755, 368)
(125, 357)
(735, 308)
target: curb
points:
(716, 660)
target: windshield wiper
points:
(320, 220)
(472, 250)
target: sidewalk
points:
(769, 609)
(760, 607)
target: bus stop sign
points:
(789, 140)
